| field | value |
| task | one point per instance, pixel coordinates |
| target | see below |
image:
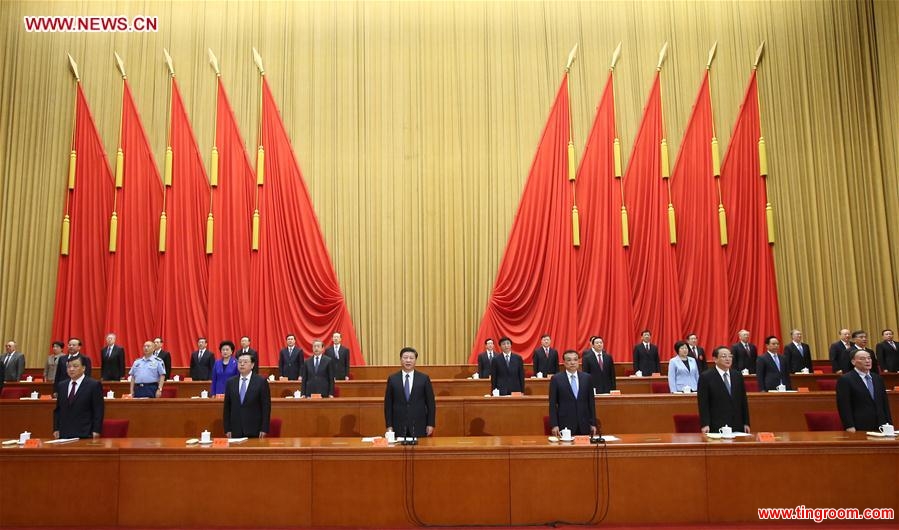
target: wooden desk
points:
(446, 481)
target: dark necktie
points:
(109, 352)
(870, 384)
(727, 382)
(316, 364)
(599, 357)
(407, 387)
(74, 384)
(507, 359)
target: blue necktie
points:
(316, 364)
(727, 382)
(243, 388)
(407, 387)
(776, 362)
(574, 384)
(870, 385)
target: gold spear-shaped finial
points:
(168, 62)
(571, 55)
(712, 52)
(74, 66)
(662, 55)
(758, 55)
(215, 63)
(120, 64)
(258, 60)
(615, 56)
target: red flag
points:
(133, 302)
(534, 292)
(232, 209)
(81, 283)
(701, 265)
(183, 273)
(297, 288)
(750, 264)
(603, 287)
(651, 256)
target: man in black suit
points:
(508, 370)
(248, 402)
(697, 352)
(722, 395)
(599, 364)
(745, 353)
(861, 396)
(74, 347)
(317, 372)
(14, 363)
(839, 353)
(772, 369)
(202, 361)
(888, 352)
(798, 354)
(571, 402)
(245, 348)
(112, 360)
(79, 404)
(545, 358)
(860, 342)
(290, 359)
(409, 406)
(340, 354)
(646, 356)
(164, 356)
(485, 360)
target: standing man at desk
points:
(248, 402)
(163, 356)
(798, 354)
(202, 361)
(545, 358)
(409, 406)
(862, 397)
(571, 402)
(74, 353)
(290, 358)
(79, 405)
(245, 348)
(485, 360)
(745, 353)
(317, 372)
(508, 370)
(112, 360)
(772, 368)
(147, 374)
(646, 356)
(599, 364)
(340, 354)
(13, 362)
(722, 395)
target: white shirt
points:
(722, 372)
(411, 379)
(77, 385)
(799, 347)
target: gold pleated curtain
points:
(415, 125)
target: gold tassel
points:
(763, 158)
(722, 225)
(769, 216)
(163, 221)
(167, 176)
(665, 167)
(672, 227)
(572, 168)
(119, 168)
(616, 149)
(210, 228)
(716, 158)
(64, 247)
(260, 166)
(214, 168)
(625, 233)
(113, 232)
(256, 229)
(73, 162)
(575, 227)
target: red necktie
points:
(72, 392)
(599, 356)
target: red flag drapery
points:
(232, 208)
(651, 259)
(534, 291)
(81, 284)
(603, 284)
(296, 286)
(701, 265)
(750, 262)
(183, 273)
(133, 304)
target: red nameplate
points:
(896, 388)
(219, 396)
(657, 374)
(315, 396)
(582, 440)
(516, 394)
(186, 379)
(282, 378)
(818, 371)
(219, 442)
(803, 389)
(615, 392)
(32, 442)
(766, 436)
(126, 396)
(46, 396)
(379, 442)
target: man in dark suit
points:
(839, 353)
(745, 353)
(721, 395)
(861, 396)
(409, 406)
(318, 372)
(202, 361)
(860, 342)
(772, 369)
(599, 364)
(290, 359)
(646, 356)
(697, 352)
(245, 348)
(164, 356)
(485, 360)
(888, 352)
(571, 402)
(112, 360)
(340, 354)
(508, 370)
(79, 404)
(13, 362)
(545, 358)
(248, 402)
(74, 347)
(798, 354)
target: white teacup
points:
(29, 379)
(638, 373)
(25, 436)
(539, 375)
(745, 371)
(176, 378)
(726, 432)
(781, 388)
(475, 376)
(495, 392)
(204, 394)
(205, 436)
(35, 395)
(391, 437)
(804, 370)
(565, 434)
(271, 377)
(687, 389)
(297, 394)
(110, 394)
(887, 429)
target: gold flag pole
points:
(169, 155)
(213, 159)
(763, 152)
(73, 162)
(666, 167)
(616, 151)
(572, 166)
(716, 155)
(260, 152)
(119, 165)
